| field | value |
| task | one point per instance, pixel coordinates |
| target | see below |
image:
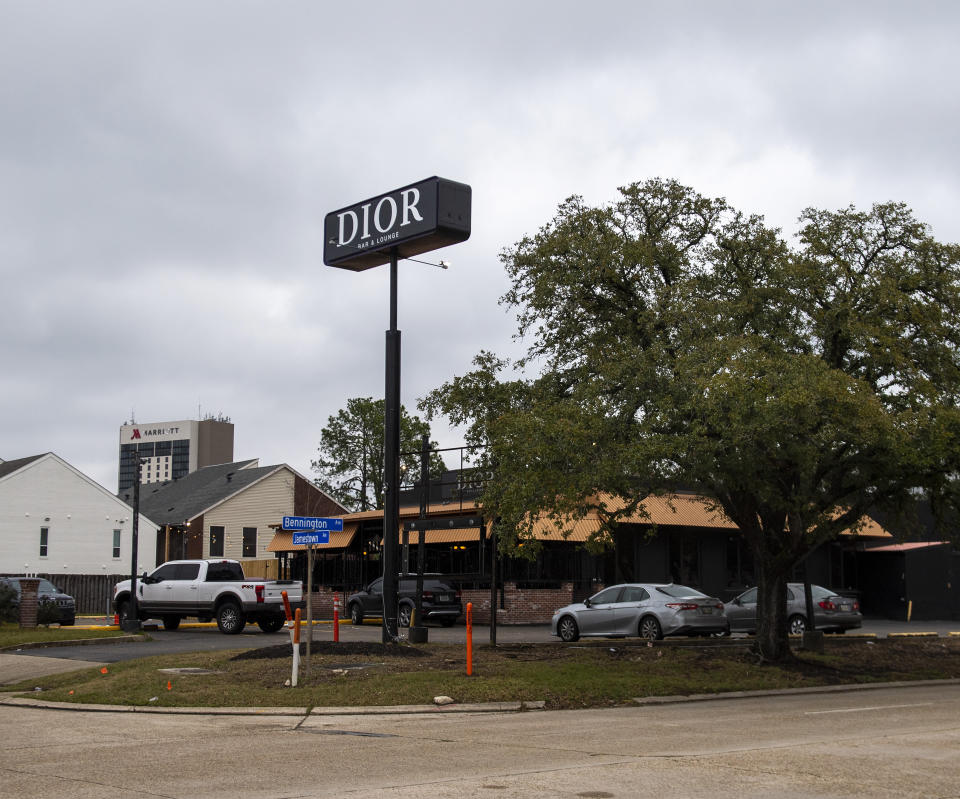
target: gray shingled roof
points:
(177, 501)
(9, 467)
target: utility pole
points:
(133, 623)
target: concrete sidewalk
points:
(16, 667)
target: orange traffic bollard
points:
(469, 638)
(286, 605)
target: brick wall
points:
(322, 603)
(520, 605)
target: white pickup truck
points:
(208, 589)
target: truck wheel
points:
(230, 619)
(271, 624)
(356, 614)
(170, 622)
(124, 612)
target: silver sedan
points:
(831, 612)
(650, 610)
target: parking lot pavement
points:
(540, 633)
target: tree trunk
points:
(772, 643)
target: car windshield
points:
(46, 587)
(678, 591)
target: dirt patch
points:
(346, 649)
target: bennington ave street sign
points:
(415, 219)
(312, 523)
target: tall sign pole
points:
(402, 223)
(391, 463)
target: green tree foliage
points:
(350, 464)
(678, 342)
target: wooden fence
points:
(93, 592)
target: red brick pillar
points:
(28, 603)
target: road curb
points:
(117, 639)
(811, 689)
(483, 707)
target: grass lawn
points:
(11, 636)
(565, 676)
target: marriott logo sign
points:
(152, 432)
(413, 219)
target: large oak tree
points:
(677, 342)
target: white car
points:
(649, 610)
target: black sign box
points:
(423, 216)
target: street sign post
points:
(309, 531)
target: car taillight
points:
(856, 605)
(826, 604)
(457, 594)
(428, 595)
(682, 605)
(259, 591)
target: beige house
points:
(230, 510)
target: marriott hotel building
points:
(172, 449)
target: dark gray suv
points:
(47, 592)
(441, 600)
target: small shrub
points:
(47, 612)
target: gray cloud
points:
(165, 168)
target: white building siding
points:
(80, 516)
(259, 506)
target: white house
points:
(56, 520)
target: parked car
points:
(649, 610)
(441, 600)
(831, 612)
(47, 592)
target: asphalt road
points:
(892, 742)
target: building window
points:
(249, 542)
(44, 541)
(116, 543)
(216, 542)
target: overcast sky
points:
(165, 169)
